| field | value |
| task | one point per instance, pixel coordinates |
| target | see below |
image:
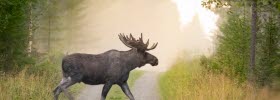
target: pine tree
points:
(13, 33)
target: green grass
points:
(36, 81)
(116, 93)
(26, 86)
(186, 80)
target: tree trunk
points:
(49, 35)
(253, 41)
(30, 28)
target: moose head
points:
(140, 49)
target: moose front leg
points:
(126, 90)
(105, 90)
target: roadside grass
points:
(187, 80)
(38, 84)
(36, 81)
(28, 86)
(116, 93)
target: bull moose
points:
(108, 68)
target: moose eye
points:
(145, 54)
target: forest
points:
(33, 37)
(246, 61)
(245, 65)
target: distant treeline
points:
(32, 28)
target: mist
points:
(158, 20)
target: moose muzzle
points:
(154, 62)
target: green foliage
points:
(13, 34)
(268, 53)
(220, 3)
(33, 76)
(39, 21)
(47, 63)
(49, 24)
(232, 53)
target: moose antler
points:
(131, 42)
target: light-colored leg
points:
(64, 84)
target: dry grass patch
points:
(186, 80)
(25, 86)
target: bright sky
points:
(189, 8)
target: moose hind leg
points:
(67, 84)
(56, 92)
(126, 90)
(64, 84)
(58, 89)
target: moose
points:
(108, 68)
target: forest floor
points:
(143, 88)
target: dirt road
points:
(145, 87)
